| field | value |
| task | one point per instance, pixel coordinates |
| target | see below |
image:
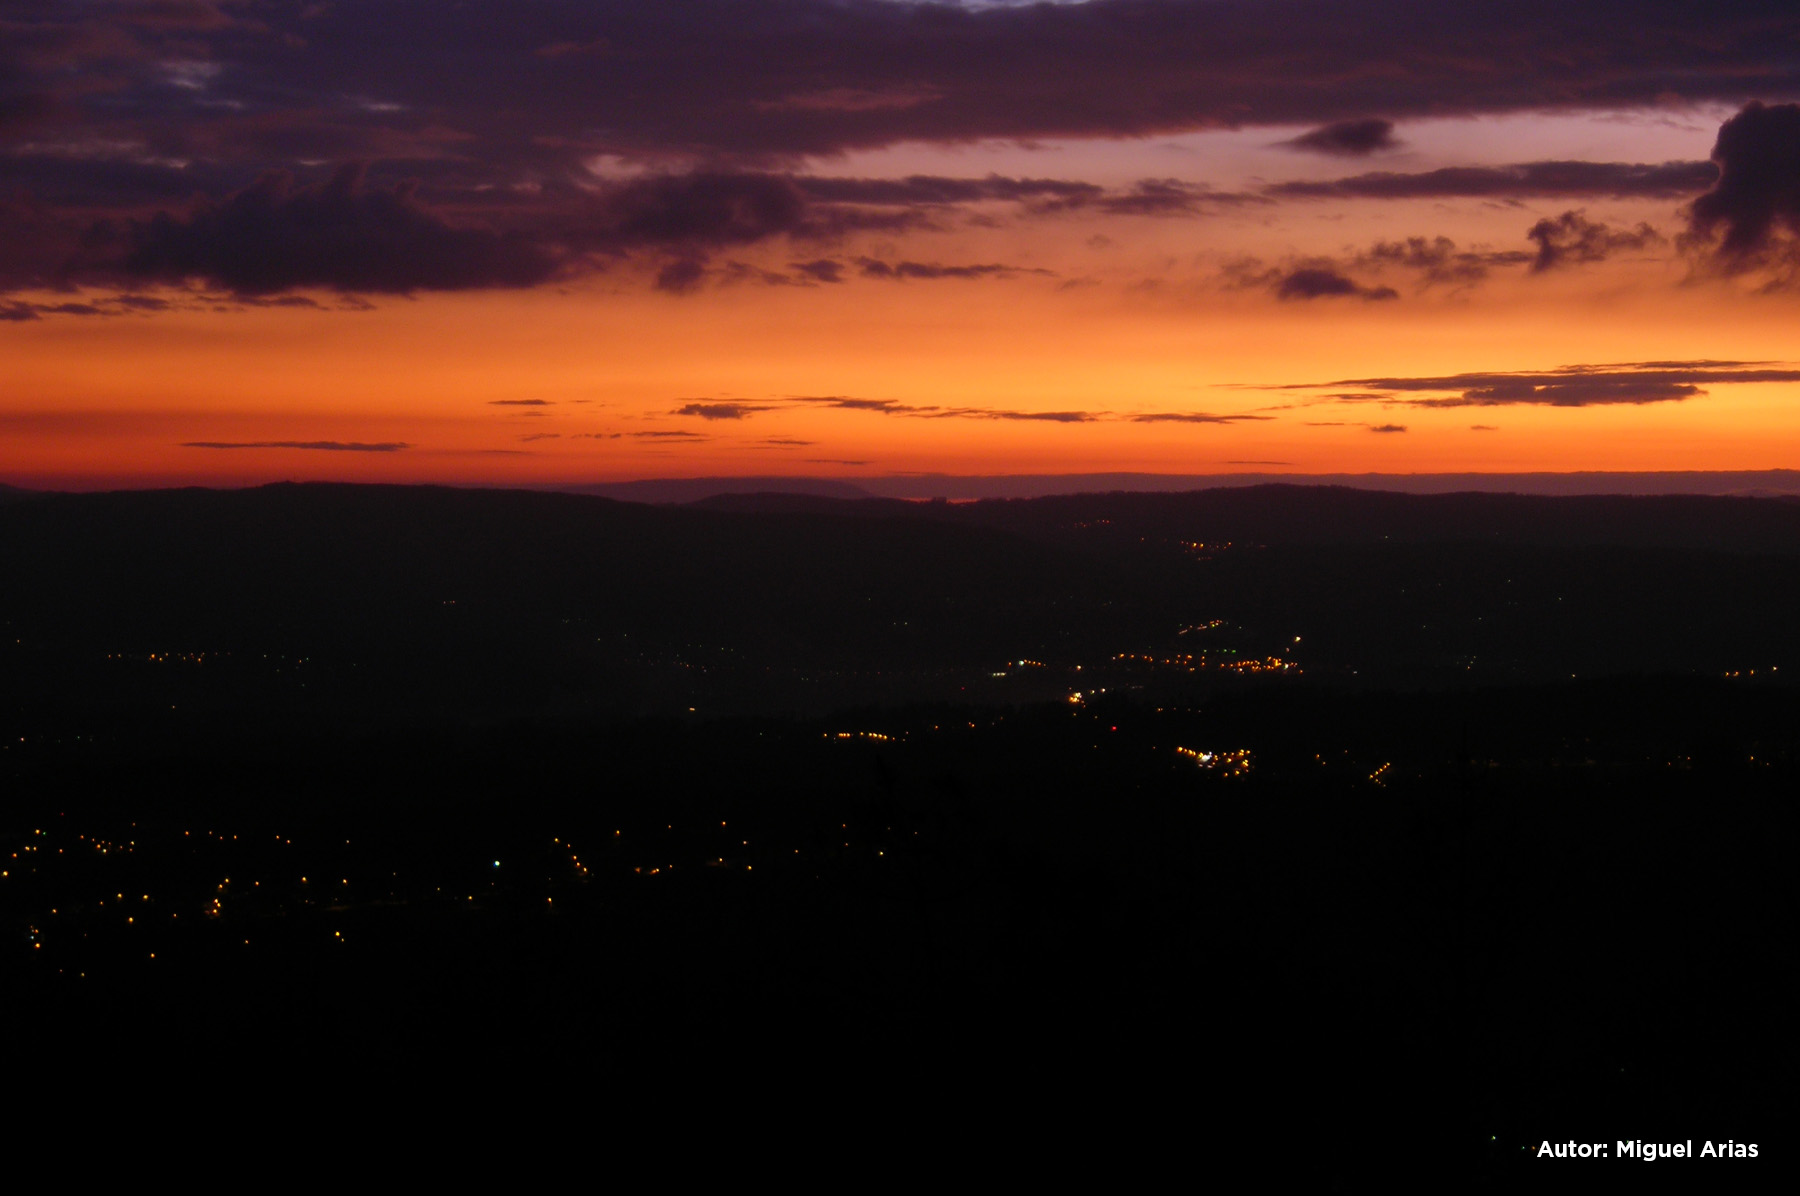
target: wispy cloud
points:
(1570, 386)
(1527, 180)
(1191, 417)
(1573, 238)
(1347, 138)
(329, 446)
(711, 411)
(1324, 282)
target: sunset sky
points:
(556, 242)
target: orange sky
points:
(1096, 314)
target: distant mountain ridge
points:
(1765, 483)
(962, 488)
(1266, 514)
(411, 598)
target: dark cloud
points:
(1168, 197)
(35, 238)
(935, 189)
(1192, 417)
(707, 208)
(106, 176)
(1154, 197)
(174, 14)
(821, 270)
(274, 236)
(732, 273)
(487, 182)
(541, 436)
(1483, 428)
(1322, 282)
(659, 435)
(1572, 386)
(1146, 197)
(789, 442)
(20, 310)
(499, 113)
(1348, 138)
(1387, 427)
(1530, 180)
(890, 407)
(519, 403)
(1573, 392)
(681, 276)
(689, 217)
(349, 304)
(718, 410)
(330, 446)
(1052, 417)
(23, 111)
(526, 82)
(876, 268)
(1572, 237)
(1751, 218)
(1248, 273)
(847, 403)
(344, 234)
(1435, 261)
(1439, 260)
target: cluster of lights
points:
(1194, 662)
(1267, 664)
(1227, 764)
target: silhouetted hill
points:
(518, 600)
(775, 784)
(1337, 515)
(788, 502)
(499, 592)
(966, 487)
(680, 490)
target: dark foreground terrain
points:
(1272, 816)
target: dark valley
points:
(1476, 804)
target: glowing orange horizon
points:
(1074, 354)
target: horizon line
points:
(1774, 482)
